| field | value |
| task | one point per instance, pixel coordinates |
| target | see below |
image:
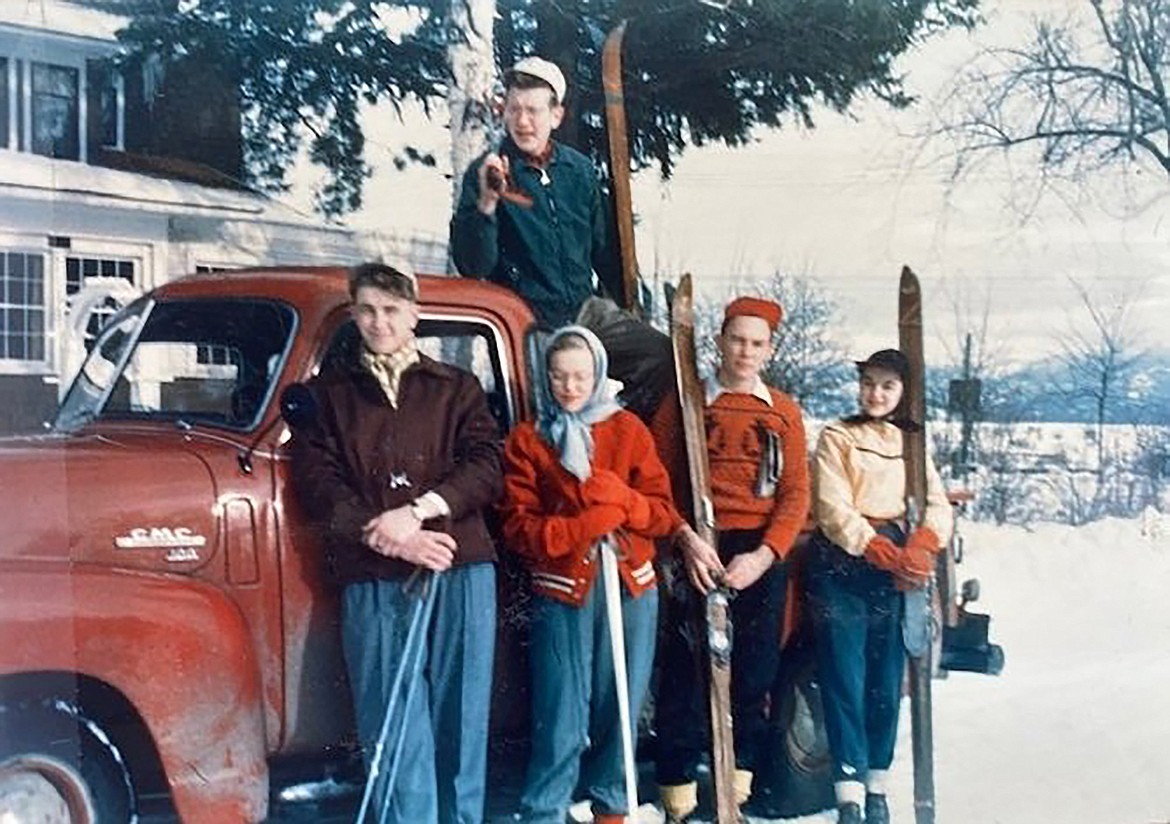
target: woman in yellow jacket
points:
(861, 560)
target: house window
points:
(106, 105)
(211, 354)
(55, 111)
(4, 110)
(22, 306)
(79, 269)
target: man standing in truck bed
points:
(760, 487)
(396, 469)
(531, 216)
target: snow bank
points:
(1077, 728)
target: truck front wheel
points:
(56, 764)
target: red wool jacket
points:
(553, 520)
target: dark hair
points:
(892, 360)
(384, 277)
(523, 80)
(896, 363)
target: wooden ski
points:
(914, 456)
(691, 398)
(619, 164)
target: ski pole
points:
(416, 669)
(617, 642)
(395, 689)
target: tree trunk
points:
(473, 76)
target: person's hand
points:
(425, 548)
(493, 180)
(704, 568)
(746, 568)
(883, 553)
(916, 564)
(392, 526)
(601, 519)
(604, 486)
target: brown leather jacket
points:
(362, 456)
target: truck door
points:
(317, 711)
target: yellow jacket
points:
(858, 473)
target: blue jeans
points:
(576, 733)
(856, 617)
(441, 773)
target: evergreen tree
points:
(696, 71)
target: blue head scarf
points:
(568, 432)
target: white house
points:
(99, 202)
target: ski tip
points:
(614, 38)
(908, 279)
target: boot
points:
(608, 818)
(876, 809)
(679, 800)
(849, 813)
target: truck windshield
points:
(196, 361)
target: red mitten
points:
(637, 511)
(599, 520)
(565, 534)
(924, 538)
(605, 487)
(917, 564)
(883, 553)
(918, 555)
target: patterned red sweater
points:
(548, 521)
(734, 447)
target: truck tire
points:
(53, 757)
(795, 778)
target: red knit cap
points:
(769, 310)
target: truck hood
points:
(89, 498)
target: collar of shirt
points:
(388, 369)
(714, 389)
(539, 162)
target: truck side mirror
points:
(298, 407)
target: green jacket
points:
(546, 253)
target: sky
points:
(851, 201)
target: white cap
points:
(546, 71)
(402, 266)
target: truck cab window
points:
(467, 343)
(199, 361)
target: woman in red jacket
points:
(585, 473)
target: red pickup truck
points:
(162, 610)
(164, 623)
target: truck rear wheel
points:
(57, 764)
(796, 776)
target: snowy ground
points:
(1077, 728)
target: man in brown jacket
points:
(396, 469)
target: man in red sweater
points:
(759, 482)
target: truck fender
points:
(179, 650)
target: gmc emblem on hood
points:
(159, 537)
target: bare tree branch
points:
(1085, 95)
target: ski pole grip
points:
(708, 513)
(913, 515)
